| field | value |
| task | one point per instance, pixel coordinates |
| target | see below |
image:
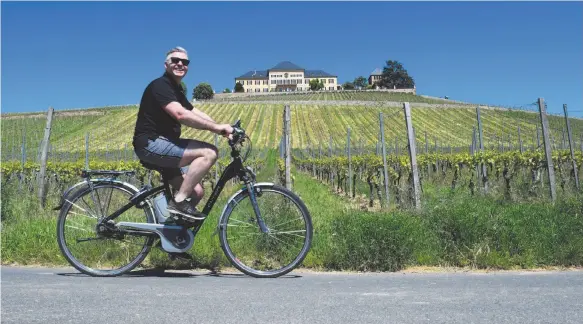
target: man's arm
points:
(164, 95)
(201, 114)
(195, 119)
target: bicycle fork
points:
(252, 196)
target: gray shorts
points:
(164, 153)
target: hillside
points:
(343, 95)
(313, 121)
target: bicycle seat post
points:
(167, 190)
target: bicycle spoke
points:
(109, 252)
(276, 226)
(246, 214)
(93, 193)
(72, 203)
(246, 224)
(254, 251)
(81, 229)
(289, 232)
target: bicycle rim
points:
(101, 255)
(266, 255)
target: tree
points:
(395, 76)
(203, 91)
(360, 82)
(239, 87)
(227, 90)
(184, 88)
(348, 86)
(316, 84)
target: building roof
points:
(317, 73)
(284, 66)
(254, 75)
(377, 72)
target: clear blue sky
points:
(87, 54)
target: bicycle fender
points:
(83, 185)
(258, 184)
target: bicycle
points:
(151, 224)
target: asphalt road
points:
(38, 295)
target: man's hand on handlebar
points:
(225, 130)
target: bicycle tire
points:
(73, 261)
(240, 196)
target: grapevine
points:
(461, 168)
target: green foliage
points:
(203, 91)
(66, 173)
(360, 82)
(348, 86)
(316, 84)
(184, 88)
(239, 87)
(516, 175)
(481, 233)
(452, 229)
(396, 76)
(227, 90)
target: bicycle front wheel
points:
(266, 255)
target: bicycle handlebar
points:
(238, 133)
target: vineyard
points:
(511, 175)
(106, 133)
(321, 135)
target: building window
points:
(330, 80)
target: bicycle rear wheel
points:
(277, 252)
(96, 252)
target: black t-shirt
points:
(153, 120)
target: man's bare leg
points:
(197, 194)
(200, 157)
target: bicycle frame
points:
(234, 169)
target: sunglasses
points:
(175, 60)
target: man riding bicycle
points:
(184, 162)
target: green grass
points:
(454, 229)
